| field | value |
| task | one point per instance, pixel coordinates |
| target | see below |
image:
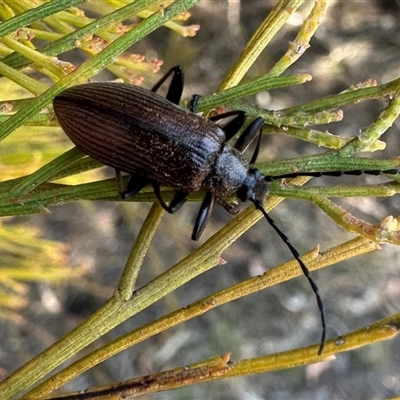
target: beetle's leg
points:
(175, 87)
(156, 188)
(135, 184)
(176, 203)
(227, 114)
(248, 135)
(232, 127)
(230, 207)
(194, 103)
(203, 215)
(118, 176)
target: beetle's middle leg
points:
(233, 126)
(247, 137)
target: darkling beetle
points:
(150, 137)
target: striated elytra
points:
(139, 132)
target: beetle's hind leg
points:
(194, 103)
(176, 203)
(135, 184)
(175, 87)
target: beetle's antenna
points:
(376, 172)
(303, 267)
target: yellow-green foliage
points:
(34, 156)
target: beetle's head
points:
(254, 187)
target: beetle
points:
(150, 137)
(139, 132)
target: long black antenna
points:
(376, 172)
(303, 267)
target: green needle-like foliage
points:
(39, 169)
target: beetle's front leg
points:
(231, 207)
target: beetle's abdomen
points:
(137, 131)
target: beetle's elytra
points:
(139, 132)
(136, 131)
(150, 137)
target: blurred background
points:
(359, 40)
